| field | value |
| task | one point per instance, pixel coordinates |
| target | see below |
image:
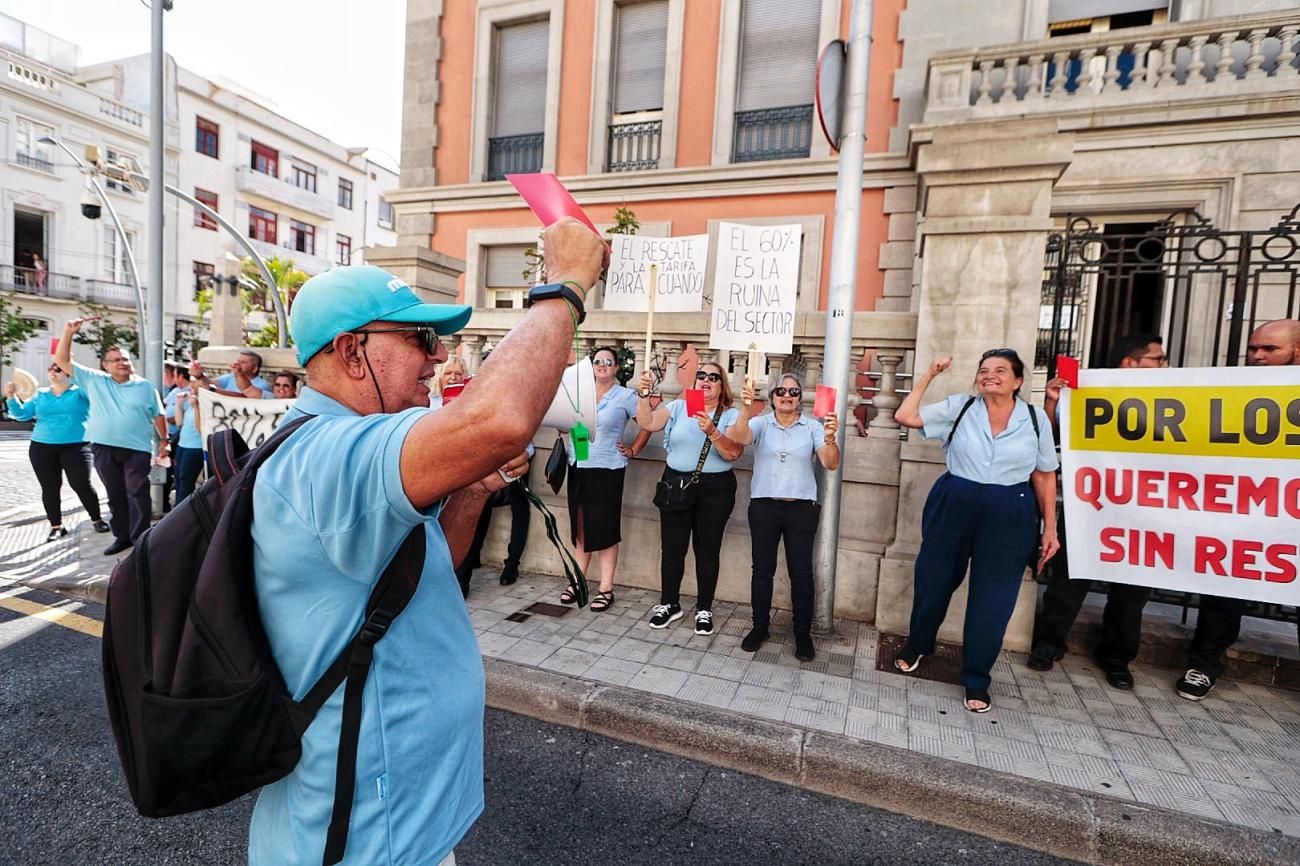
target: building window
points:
(207, 137)
(385, 213)
(266, 159)
(342, 249)
(30, 152)
(203, 273)
(262, 225)
(345, 194)
(117, 268)
(126, 161)
(519, 99)
(302, 237)
(201, 219)
(303, 176)
(640, 49)
(504, 276)
(778, 70)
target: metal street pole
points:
(121, 234)
(153, 349)
(843, 289)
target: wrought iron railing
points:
(772, 133)
(26, 160)
(634, 146)
(514, 154)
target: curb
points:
(1078, 825)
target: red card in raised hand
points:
(548, 198)
(824, 404)
(451, 392)
(54, 345)
(1067, 368)
(694, 401)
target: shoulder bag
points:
(676, 491)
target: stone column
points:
(986, 216)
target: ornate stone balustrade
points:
(1234, 57)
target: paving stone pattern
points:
(1235, 756)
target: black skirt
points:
(596, 495)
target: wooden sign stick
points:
(651, 290)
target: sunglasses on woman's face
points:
(603, 362)
(786, 392)
(712, 377)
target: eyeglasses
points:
(603, 362)
(712, 377)
(428, 336)
(787, 392)
(999, 353)
(118, 360)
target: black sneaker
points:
(56, 532)
(1194, 685)
(752, 641)
(662, 614)
(117, 547)
(704, 622)
(101, 526)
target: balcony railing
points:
(1196, 60)
(27, 160)
(47, 284)
(773, 133)
(282, 190)
(514, 154)
(634, 144)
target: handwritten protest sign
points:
(754, 285)
(1189, 487)
(680, 262)
(255, 420)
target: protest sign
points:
(253, 419)
(680, 262)
(1182, 486)
(754, 284)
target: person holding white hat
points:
(58, 446)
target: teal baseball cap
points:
(344, 299)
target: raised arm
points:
(649, 420)
(63, 353)
(740, 432)
(829, 452)
(909, 414)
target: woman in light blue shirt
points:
(59, 446)
(783, 504)
(984, 511)
(595, 485)
(685, 439)
(189, 446)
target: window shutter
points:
(639, 56)
(778, 53)
(505, 267)
(1072, 10)
(519, 78)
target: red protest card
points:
(694, 401)
(548, 198)
(824, 404)
(54, 345)
(1067, 368)
(451, 392)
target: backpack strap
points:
(389, 598)
(960, 415)
(226, 448)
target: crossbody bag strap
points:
(708, 443)
(960, 415)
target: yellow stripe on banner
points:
(65, 618)
(1225, 421)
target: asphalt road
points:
(555, 795)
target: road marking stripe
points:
(57, 616)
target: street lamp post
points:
(92, 175)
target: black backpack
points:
(199, 709)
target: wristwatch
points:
(551, 291)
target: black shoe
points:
(56, 532)
(704, 622)
(117, 547)
(509, 575)
(1194, 685)
(1117, 674)
(1043, 659)
(100, 526)
(803, 648)
(755, 638)
(661, 615)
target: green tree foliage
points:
(14, 327)
(105, 332)
(288, 280)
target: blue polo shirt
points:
(60, 418)
(331, 512)
(613, 411)
(977, 455)
(226, 382)
(783, 457)
(190, 436)
(122, 414)
(683, 439)
(169, 408)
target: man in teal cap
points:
(333, 505)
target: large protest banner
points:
(681, 264)
(755, 280)
(255, 420)
(1186, 480)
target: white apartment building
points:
(291, 192)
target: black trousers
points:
(1218, 624)
(125, 474)
(51, 463)
(1121, 621)
(518, 503)
(701, 528)
(772, 521)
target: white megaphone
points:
(575, 400)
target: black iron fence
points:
(772, 133)
(634, 146)
(514, 154)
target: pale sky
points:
(334, 66)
